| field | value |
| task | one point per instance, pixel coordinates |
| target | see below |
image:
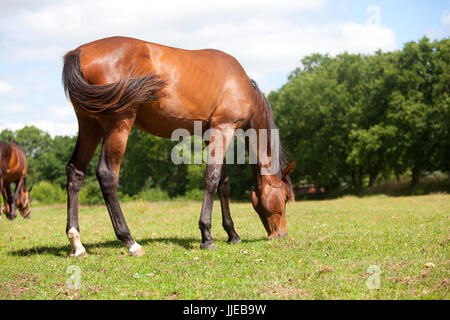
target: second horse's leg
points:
(9, 200)
(2, 191)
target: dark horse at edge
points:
(13, 170)
(118, 82)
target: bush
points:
(90, 193)
(153, 194)
(426, 185)
(46, 192)
(194, 195)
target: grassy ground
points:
(327, 254)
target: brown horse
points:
(118, 82)
(13, 169)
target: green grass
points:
(326, 255)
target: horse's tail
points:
(109, 98)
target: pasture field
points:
(327, 254)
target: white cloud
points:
(446, 19)
(54, 128)
(63, 113)
(5, 87)
(13, 108)
(267, 37)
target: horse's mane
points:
(262, 101)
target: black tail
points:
(110, 98)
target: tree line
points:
(348, 121)
(355, 118)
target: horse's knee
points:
(212, 179)
(106, 177)
(204, 225)
(75, 178)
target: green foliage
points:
(353, 117)
(91, 194)
(149, 156)
(194, 195)
(195, 176)
(153, 195)
(46, 192)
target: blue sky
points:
(269, 38)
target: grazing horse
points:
(118, 82)
(13, 169)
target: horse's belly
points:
(157, 121)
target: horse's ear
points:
(31, 188)
(289, 168)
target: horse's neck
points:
(264, 172)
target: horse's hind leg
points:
(89, 136)
(224, 195)
(5, 201)
(113, 148)
(9, 201)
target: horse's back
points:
(207, 85)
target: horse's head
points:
(269, 200)
(23, 202)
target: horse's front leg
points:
(219, 140)
(212, 178)
(224, 194)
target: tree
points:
(421, 103)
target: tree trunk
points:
(372, 179)
(356, 180)
(416, 171)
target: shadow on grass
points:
(63, 251)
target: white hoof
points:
(78, 254)
(136, 250)
(77, 247)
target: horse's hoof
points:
(208, 245)
(137, 253)
(78, 255)
(234, 240)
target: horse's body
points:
(13, 170)
(119, 82)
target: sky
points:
(269, 39)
